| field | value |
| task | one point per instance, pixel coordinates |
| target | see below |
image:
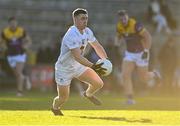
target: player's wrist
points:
(145, 54)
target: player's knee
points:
(97, 84)
(100, 84)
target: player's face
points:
(13, 24)
(124, 19)
(81, 21)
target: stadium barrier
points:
(42, 76)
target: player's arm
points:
(118, 40)
(118, 37)
(99, 49)
(147, 39)
(75, 48)
(146, 42)
(26, 41)
(3, 46)
(76, 52)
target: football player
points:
(72, 64)
(17, 41)
(138, 43)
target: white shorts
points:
(136, 58)
(65, 74)
(13, 60)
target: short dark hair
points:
(122, 12)
(78, 11)
(11, 19)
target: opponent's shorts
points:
(136, 58)
(13, 60)
(64, 73)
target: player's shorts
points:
(64, 73)
(13, 60)
(136, 58)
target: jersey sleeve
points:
(91, 37)
(72, 42)
(139, 28)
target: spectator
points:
(161, 23)
(153, 9)
(155, 15)
(172, 23)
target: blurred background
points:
(46, 21)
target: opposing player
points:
(71, 63)
(138, 44)
(17, 41)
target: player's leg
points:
(17, 64)
(127, 69)
(63, 95)
(144, 74)
(18, 71)
(27, 72)
(94, 82)
(63, 81)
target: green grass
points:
(150, 110)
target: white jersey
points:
(73, 39)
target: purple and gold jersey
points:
(14, 40)
(132, 35)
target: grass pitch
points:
(33, 109)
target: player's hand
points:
(98, 69)
(145, 54)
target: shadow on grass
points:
(143, 120)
